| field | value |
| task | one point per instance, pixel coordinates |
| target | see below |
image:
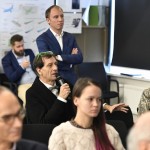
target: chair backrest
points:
(22, 92)
(38, 132)
(94, 70)
(120, 128)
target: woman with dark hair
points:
(87, 130)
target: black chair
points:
(120, 128)
(127, 117)
(97, 71)
(37, 132)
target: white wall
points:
(131, 90)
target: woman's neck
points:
(84, 122)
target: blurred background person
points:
(144, 104)
(11, 118)
(17, 63)
(139, 135)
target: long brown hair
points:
(99, 122)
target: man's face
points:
(48, 73)
(18, 48)
(10, 129)
(56, 19)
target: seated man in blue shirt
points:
(17, 62)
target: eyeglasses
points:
(42, 54)
(9, 119)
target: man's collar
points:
(47, 85)
(55, 34)
(14, 146)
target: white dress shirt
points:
(29, 76)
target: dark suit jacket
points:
(127, 118)
(48, 42)
(11, 66)
(30, 145)
(42, 105)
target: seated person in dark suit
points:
(42, 104)
(11, 117)
(120, 112)
(17, 62)
(120, 117)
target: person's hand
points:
(64, 91)
(116, 107)
(25, 64)
(74, 51)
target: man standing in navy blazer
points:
(63, 44)
(17, 63)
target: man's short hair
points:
(38, 60)
(16, 38)
(48, 11)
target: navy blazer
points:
(48, 42)
(42, 106)
(30, 145)
(11, 66)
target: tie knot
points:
(53, 87)
(54, 90)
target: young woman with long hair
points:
(87, 130)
